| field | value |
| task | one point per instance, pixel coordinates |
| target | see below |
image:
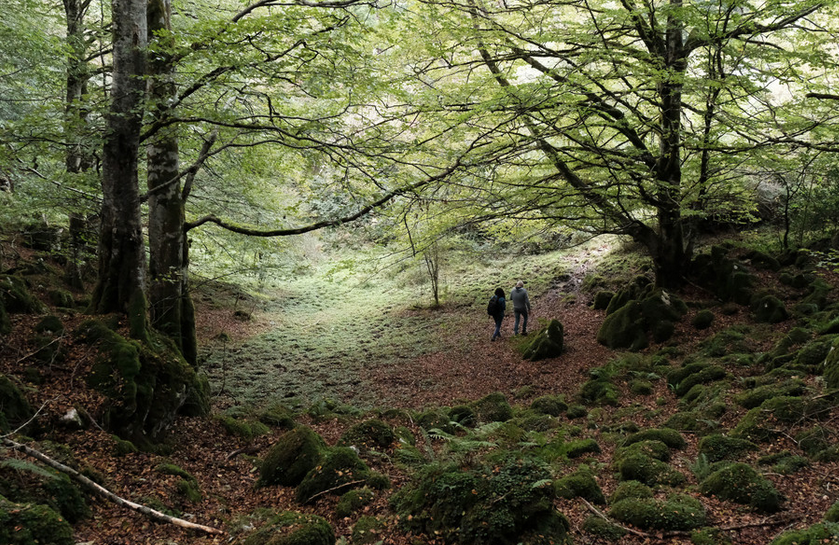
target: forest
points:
(247, 249)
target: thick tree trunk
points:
(172, 311)
(122, 262)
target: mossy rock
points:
(630, 490)
(493, 408)
(463, 415)
(16, 297)
(754, 427)
(409, 455)
(602, 528)
(677, 375)
(728, 341)
(352, 501)
(769, 309)
(277, 415)
(624, 328)
(635, 290)
(722, 447)
(690, 421)
(818, 296)
(25, 482)
(548, 342)
(189, 490)
(576, 411)
(677, 513)
(146, 383)
(599, 391)
(575, 449)
(293, 455)
(647, 470)
(703, 319)
(50, 325)
(550, 405)
(815, 440)
(246, 429)
(370, 434)
(15, 409)
(812, 356)
(340, 470)
(33, 524)
(290, 528)
(652, 448)
(817, 534)
(671, 438)
(61, 298)
(786, 409)
(501, 504)
(763, 261)
(641, 387)
(367, 530)
(741, 484)
(602, 300)
(831, 366)
(435, 419)
(707, 374)
(580, 484)
(754, 397)
(709, 536)
(832, 513)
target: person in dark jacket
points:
(499, 313)
(521, 307)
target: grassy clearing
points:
(348, 316)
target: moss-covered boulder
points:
(290, 528)
(753, 426)
(599, 391)
(677, 512)
(146, 383)
(367, 530)
(32, 524)
(603, 529)
(814, 440)
(15, 409)
(817, 534)
(756, 396)
(277, 415)
(505, 505)
(722, 447)
(580, 484)
(24, 482)
(16, 297)
(740, 483)
(702, 319)
(832, 513)
(370, 434)
(602, 300)
(624, 328)
(493, 408)
(548, 342)
(637, 289)
(353, 500)
(550, 405)
(670, 437)
(699, 373)
(293, 455)
(690, 421)
(831, 366)
(580, 447)
(652, 448)
(769, 309)
(647, 470)
(340, 470)
(630, 489)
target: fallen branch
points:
(333, 489)
(600, 514)
(98, 489)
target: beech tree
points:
(624, 117)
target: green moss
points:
(651, 448)
(367, 530)
(671, 438)
(580, 484)
(293, 455)
(576, 411)
(5, 321)
(290, 528)
(709, 536)
(493, 408)
(370, 434)
(32, 524)
(548, 342)
(50, 325)
(647, 470)
(352, 501)
(246, 429)
(14, 407)
(550, 405)
(575, 449)
(630, 489)
(814, 440)
(721, 447)
(123, 447)
(501, 504)
(677, 512)
(816, 534)
(769, 309)
(463, 415)
(24, 482)
(740, 483)
(787, 409)
(190, 490)
(603, 529)
(602, 300)
(790, 464)
(624, 328)
(599, 391)
(690, 421)
(754, 397)
(340, 470)
(753, 427)
(832, 513)
(16, 297)
(641, 387)
(728, 341)
(831, 366)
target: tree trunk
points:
(172, 312)
(121, 249)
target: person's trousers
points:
(520, 314)
(498, 320)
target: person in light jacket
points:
(521, 307)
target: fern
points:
(22, 465)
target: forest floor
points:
(469, 367)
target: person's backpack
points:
(493, 306)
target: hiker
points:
(521, 307)
(496, 307)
